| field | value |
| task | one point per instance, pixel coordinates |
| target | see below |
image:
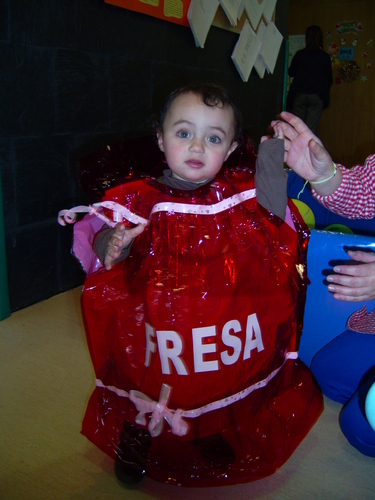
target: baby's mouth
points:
(194, 163)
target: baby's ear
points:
(233, 146)
(159, 135)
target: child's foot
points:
(129, 473)
(132, 451)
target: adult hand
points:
(354, 283)
(304, 152)
(121, 238)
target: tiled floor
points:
(46, 379)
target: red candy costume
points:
(196, 333)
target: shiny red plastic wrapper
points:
(194, 337)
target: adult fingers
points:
(352, 295)
(361, 256)
(298, 125)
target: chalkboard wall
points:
(81, 72)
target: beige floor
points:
(45, 381)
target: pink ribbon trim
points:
(160, 412)
(120, 212)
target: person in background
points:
(311, 71)
(344, 368)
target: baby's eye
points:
(184, 134)
(215, 139)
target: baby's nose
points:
(197, 145)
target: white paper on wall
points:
(246, 51)
(269, 9)
(231, 9)
(254, 11)
(200, 15)
(271, 46)
(259, 64)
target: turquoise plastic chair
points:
(370, 406)
(325, 318)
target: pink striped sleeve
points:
(355, 198)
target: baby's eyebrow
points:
(219, 129)
(180, 122)
(213, 128)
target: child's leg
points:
(216, 450)
(340, 365)
(354, 424)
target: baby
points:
(200, 127)
(194, 323)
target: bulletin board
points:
(257, 49)
(175, 11)
(221, 21)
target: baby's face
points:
(196, 138)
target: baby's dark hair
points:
(212, 95)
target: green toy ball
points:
(306, 213)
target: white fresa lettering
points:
(170, 354)
(253, 336)
(231, 341)
(199, 349)
(150, 344)
(170, 347)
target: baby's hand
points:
(120, 239)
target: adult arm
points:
(349, 193)
(305, 153)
